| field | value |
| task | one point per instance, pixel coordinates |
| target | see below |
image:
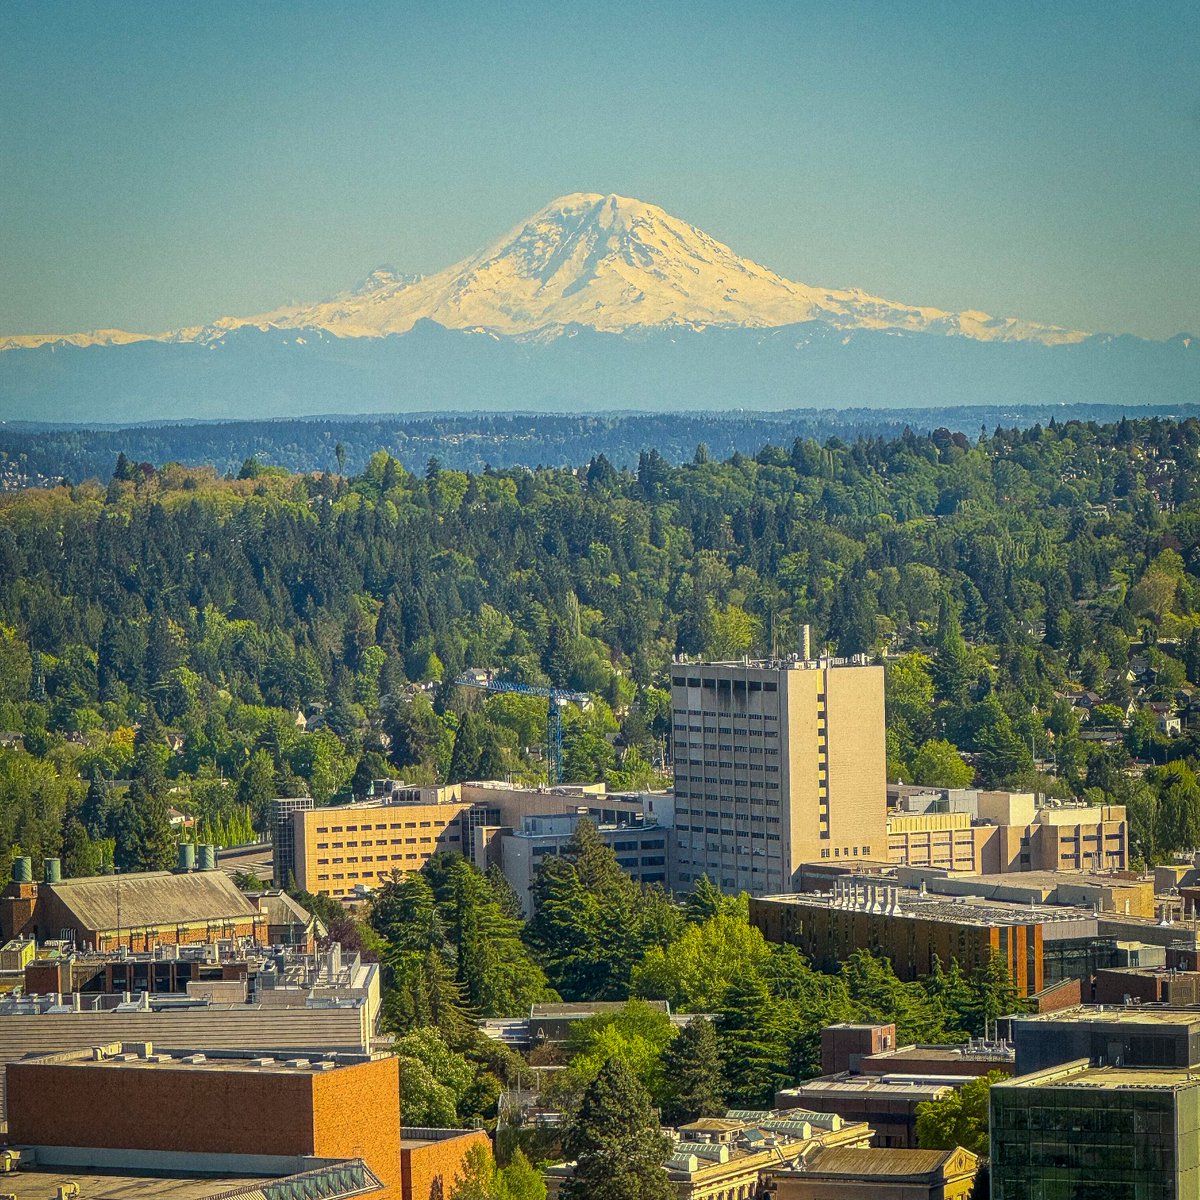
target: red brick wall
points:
(48, 975)
(1067, 994)
(356, 1114)
(425, 1165)
(349, 1112)
(16, 909)
(160, 1108)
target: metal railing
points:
(333, 1182)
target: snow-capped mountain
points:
(594, 303)
(606, 263)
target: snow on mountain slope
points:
(95, 337)
(605, 262)
(612, 263)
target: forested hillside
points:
(35, 456)
(171, 637)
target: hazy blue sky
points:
(165, 163)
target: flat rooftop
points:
(145, 1056)
(39, 1183)
(791, 663)
(942, 1054)
(1109, 1014)
(587, 1008)
(873, 1085)
(911, 905)
(1081, 1075)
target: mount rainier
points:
(595, 301)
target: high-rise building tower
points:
(776, 764)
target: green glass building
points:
(1077, 1132)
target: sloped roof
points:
(153, 898)
(281, 909)
(879, 1163)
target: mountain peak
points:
(615, 264)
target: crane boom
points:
(556, 698)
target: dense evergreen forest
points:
(37, 455)
(170, 637)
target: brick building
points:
(124, 1104)
(138, 912)
(912, 929)
(872, 1050)
(326, 1126)
(431, 1160)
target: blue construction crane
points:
(555, 697)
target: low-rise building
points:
(346, 851)
(273, 1126)
(887, 1103)
(288, 923)
(723, 1158)
(872, 1050)
(1146, 985)
(137, 912)
(1120, 893)
(913, 929)
(838, 1173)
(53, 1024)
(641, 850)
(1078, 1130)
(992, 833)
(1134, 1036)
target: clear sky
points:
(162, 164)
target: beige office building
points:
(1007, 832)
(776, 764)
(346, 850)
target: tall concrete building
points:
(776, 764)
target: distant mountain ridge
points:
(593, 303)
(608, 263)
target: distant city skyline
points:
(164, 166)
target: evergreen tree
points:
(495, 972)
(404, 913)
(464, 762)
(613, 1136)
(751, 1043)
(256, 788)
(694, 1074)
(951, 661)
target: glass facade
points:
(1090, 1143)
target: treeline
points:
(471, 442)
(171, 638)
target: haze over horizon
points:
(162, 168)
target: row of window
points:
(846, 852)
(710, 712)
(684, 794)
(752, 685)
(381, 826)
(683, 810)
